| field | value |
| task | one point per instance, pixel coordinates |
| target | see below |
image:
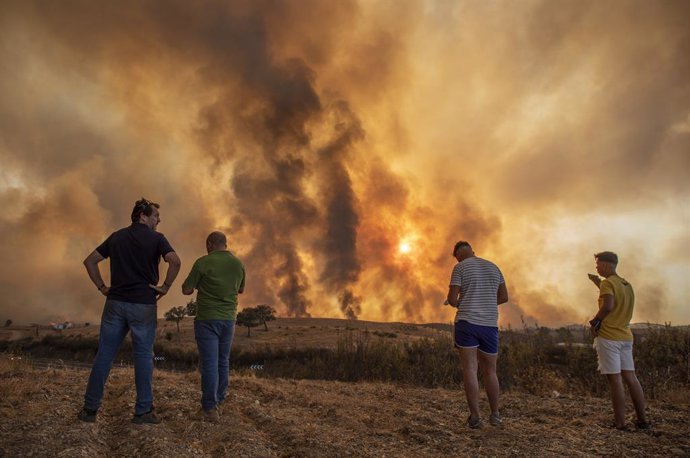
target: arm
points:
(453, 297)
(502, 294)
(605, 307)
(91, 264)
(192, 281)
(595, 279)
(174, 264)
(241, 290)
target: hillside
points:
(283, 332)
(284, 418)
(291, 332)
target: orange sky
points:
(320, 136)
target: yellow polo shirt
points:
(616, 325)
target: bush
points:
(531, 360)
(535, 360)
(662, 359)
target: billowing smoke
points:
(345, 147)
(339, 243)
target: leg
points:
(207, 343)
(609, 359)
(468, 358)
(487, 364)
(617, 398)
(224, 344)
(142, 322)
(112, 332)
(636, 394)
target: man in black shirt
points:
(134, 253)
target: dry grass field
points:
(294, 333)
(290, 418)
(407, 399)
(287, 332)
(299, 332)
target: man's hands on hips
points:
(104, 290)
(161, 290)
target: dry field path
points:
(285, 418)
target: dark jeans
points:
(119, 318)
(214, 338)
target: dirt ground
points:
(289, 418)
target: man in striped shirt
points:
(476, 289)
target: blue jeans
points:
(119, 318)
(213, 339)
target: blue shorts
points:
(468, 335)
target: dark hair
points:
(143, 206)
(461, 244)
(216, 239)
(607, 256)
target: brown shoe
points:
(210, 415)
(148, 417)
(88, 416)
(643, 425)
(474, 422)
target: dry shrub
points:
(536, 360)
(662, 359)
(11, 365)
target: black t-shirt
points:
(134, 253)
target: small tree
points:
(192, 308)
(564, 334)
(8, 323)
(248, 317)
(176, 314)
(266, 313)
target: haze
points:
(344, 147)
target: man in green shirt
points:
(218, 277)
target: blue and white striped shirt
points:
(478, 280)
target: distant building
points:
(61, 326)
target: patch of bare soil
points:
(286, 418)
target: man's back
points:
(479, 280)
(616, 325)
(135, 252)
(218, 277)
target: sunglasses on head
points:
(144, 204)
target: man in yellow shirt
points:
(613, 339)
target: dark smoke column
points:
(262, 122)
(339, 245)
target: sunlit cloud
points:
(345, 147)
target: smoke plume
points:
(345, 147)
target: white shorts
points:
(614, 355)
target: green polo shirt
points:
(217, 277)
